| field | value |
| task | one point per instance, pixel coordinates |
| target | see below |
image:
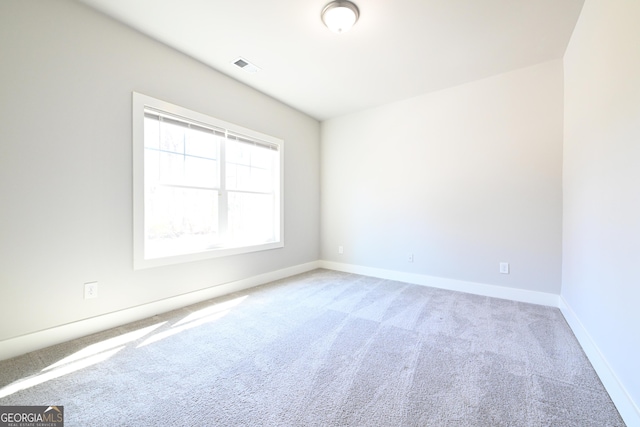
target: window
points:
(202, 187)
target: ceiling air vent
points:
(246, 65)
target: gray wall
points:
(601, 256)
(463, 178)
(66, 76)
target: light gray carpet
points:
(323, 349)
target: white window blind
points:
(208, 189)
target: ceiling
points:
(398, 49)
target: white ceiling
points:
(398, 49)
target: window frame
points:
(139, 103)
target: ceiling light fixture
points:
(339, 16)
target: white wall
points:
(463, 178)
(601, 248)
(66, 77)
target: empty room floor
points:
(323, 348)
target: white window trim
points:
(140, 102)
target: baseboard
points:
(522, 295)
(626, 406)
(37, 340)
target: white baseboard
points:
(522, 295)
(626, 406)
(37, 340)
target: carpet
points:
(323, 348)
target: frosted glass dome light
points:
(339, 16)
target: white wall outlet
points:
(504, 268)
(91, 290)
(340, 249)
(410, 258)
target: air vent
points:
(246, 65)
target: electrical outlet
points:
(340, 249)
(410, 258)
(91, 290)
(504, 268)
